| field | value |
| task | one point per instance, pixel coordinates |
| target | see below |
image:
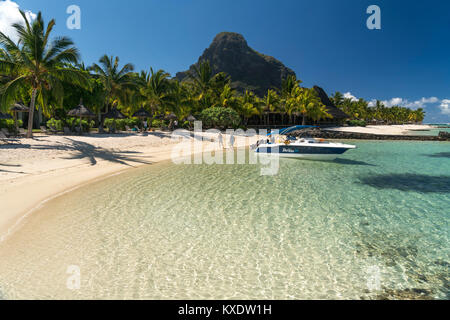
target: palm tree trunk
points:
(31, 115)
(304, 120)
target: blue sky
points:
(326, 42)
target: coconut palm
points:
(271, 102)
(115, 80)
(156, 90)
(207, 85)
(39, 63)
(250, 105)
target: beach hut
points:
(18, 107)
(115, 114)
(81, 112)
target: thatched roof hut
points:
(19, 107)
(114, 113)
(334, 111)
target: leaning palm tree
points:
(39, 63)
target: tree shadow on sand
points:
(9, 166)
(410, 182)
(83, 150)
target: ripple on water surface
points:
(373, 224)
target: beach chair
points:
(67, 131)
(6, 132)
(136, 128)
(44, 130)
(128, 129)
(22, 132)
(53, 130)
(78, 131)
(6, 140)
(3, 138)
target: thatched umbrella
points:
(18, 107)
(81, 112)
(191, 119)
(171, 117)
(115, 114)
(142, 114)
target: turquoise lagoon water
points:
(371, 225)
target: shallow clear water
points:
(373, 224)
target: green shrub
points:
(186, 125)
(122, 123)
(70, 123)
(219, 117)
(157, 123)
(55, 124)
(357, 123)
(10, 125)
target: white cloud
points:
(422, 103)
(9, 14)
(348, 95)
(445, 106)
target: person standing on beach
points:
(232, 140)
(221, 140)
(145, 125)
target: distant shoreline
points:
(384, 132)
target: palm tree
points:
(115, 80)
(271, 102)
(38, 63)
(250, 105)
(338, 98)
(157, 90)
(207, 85)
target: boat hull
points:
(303, 151)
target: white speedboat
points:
(303, 148)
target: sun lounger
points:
(3, 138)
(128, 129)
(67, 131)
(44, 130)
(6, 132)
(22, 132)
(6, 140)
(53, 130)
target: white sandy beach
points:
(36, 170)
(384, 130)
